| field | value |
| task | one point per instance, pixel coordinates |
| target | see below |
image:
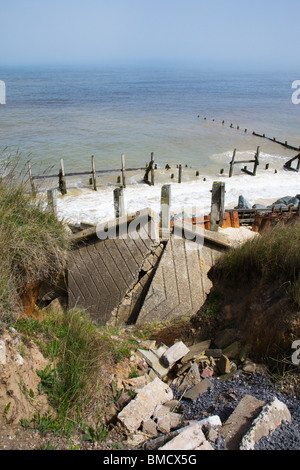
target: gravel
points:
(223, 397)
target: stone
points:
(154, 362)
(174, 354)
(196, 350)
(249, 366)
(136, 383)
(188, 439)
(176, 420)
(243, 203)
(192, 378)
(270, 417)
(149, 427)
(164, 424)
(123, 400)
(198, 389)
(224, 365)
(240, 421)
(143, 405)
(184, 368)
(160, 410)
(286, 201)
(207, 372)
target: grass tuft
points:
(274, 256)
(33, 241)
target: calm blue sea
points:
(177, 113)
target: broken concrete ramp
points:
(180, 284)
(108, 278)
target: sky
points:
(95, 32)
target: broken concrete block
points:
(196, 350)
(224, 365)
(174, 354)
(192, 378)
(176, 420)
(160, 410)
(249, 366)
(188, 439)
(153, 361)
(144, 404)
(207, 372)
(270, 417)
(184, 368)
(198, 389)
(149, 427)
(164, 424)
(239, 422)
(137, 383)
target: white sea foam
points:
(86, 205)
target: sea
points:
(188, 115)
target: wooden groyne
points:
(62, 174)
(287, 165)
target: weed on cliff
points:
(33, 241)
(274, 256)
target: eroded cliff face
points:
(262, 315)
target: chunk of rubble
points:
(191, 378)
(153, 361)
(194, 392)
(143, 405)
(240, 420)
(174, 354)
(196, 351)
(270, 417)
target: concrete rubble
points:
(152, 419)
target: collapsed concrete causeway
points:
(137, 276)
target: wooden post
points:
(231, 164)
(31, 179)
(123, 170)
(152, 168)
(165, 210)
(62, 179)
(94, 174)
(217, 206)
(256, 163)
(119, 202)
(52, 200)
(179, 173)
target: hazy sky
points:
(98, 31)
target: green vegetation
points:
(275, 256)
(32, 240)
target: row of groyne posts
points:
(149, 170)
(151, 167)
